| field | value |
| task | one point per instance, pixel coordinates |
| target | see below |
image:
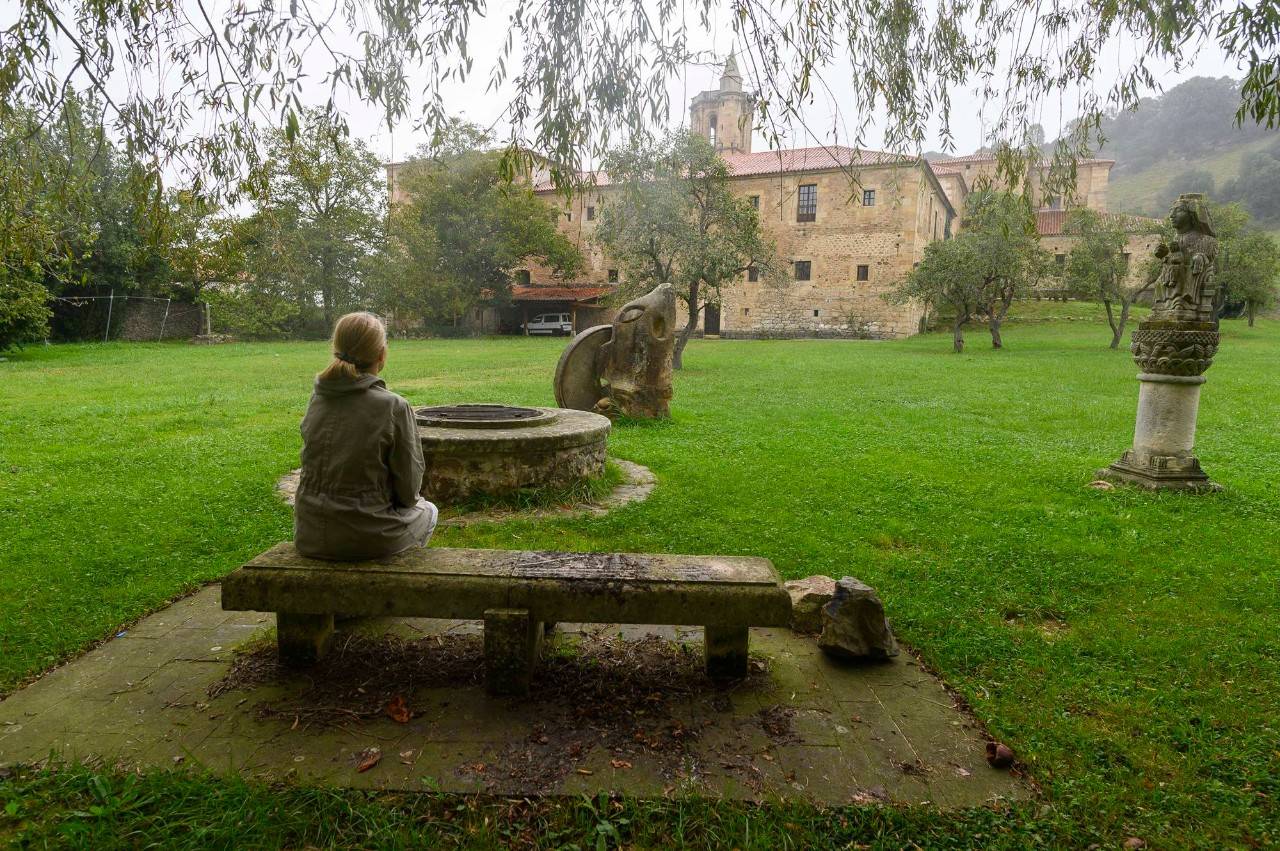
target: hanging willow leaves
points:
(192, 87)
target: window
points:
(746, 311)
(817, 312)
(753, 274)
(1061, 259)
(522, 277)
(1127, 257)
(868, 197)
(711, 129)
(755, 202)
(804, 268)
(864, 272)
(613, 276)
(807, 204)
(591, 214)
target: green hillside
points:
(1146, 191)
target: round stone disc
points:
(577, 382)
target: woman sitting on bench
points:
(361, 460)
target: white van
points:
(551, 323)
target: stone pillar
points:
(512, 645)
(1173, 347)
(302, 639)
(1162, 456)
(726, 650)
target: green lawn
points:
(954, 484)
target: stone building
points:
(848, 223)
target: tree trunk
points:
(957, 334)
(1248, 307)
(682, 339)
(1125, 307)
(994, 323)
(1111, 321)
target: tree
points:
(461, 231)
(321, 207)
(575, 80)
(1248, 260)
(673, 219)
(994, 259)
(1097, 268)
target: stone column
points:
(1173, 357)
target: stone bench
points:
(515, 593)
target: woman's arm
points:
(406, 461)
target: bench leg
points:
(302, 639)
(726, 648)
(512, 644)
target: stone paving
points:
(806, 728)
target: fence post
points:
(165, 320)
(111, 301)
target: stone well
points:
(490, 450)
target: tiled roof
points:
(571, 293)
(810, 159)
(1051, 222)
(775, 162)
(974, 159)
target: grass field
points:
(1125, 644)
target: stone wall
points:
(888, 237)
(1092, 180)
(1139, 247)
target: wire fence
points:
(126, 317)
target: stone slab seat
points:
(515, 592)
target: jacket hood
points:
(343, 386)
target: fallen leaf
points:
(585, 771)
(999, 755)
(1102, 485)
(1135, 842)
(964, 772)
(619, 763)
(397, 711)
(369, 757)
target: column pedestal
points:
(1162, 456)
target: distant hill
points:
(1186, 140)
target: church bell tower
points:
(725, 116)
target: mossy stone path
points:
(622, 709)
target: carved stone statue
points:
(1185, 290)
(623, 368)
(1173, 347)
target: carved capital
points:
(1172, 350)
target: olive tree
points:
(671, 218)
(994, 259)
(1097, 268)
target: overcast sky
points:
(828, 120)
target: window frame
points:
(862, 272)
(808, 270)
(868, 197)
(807, 207)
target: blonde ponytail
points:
(359, 344)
